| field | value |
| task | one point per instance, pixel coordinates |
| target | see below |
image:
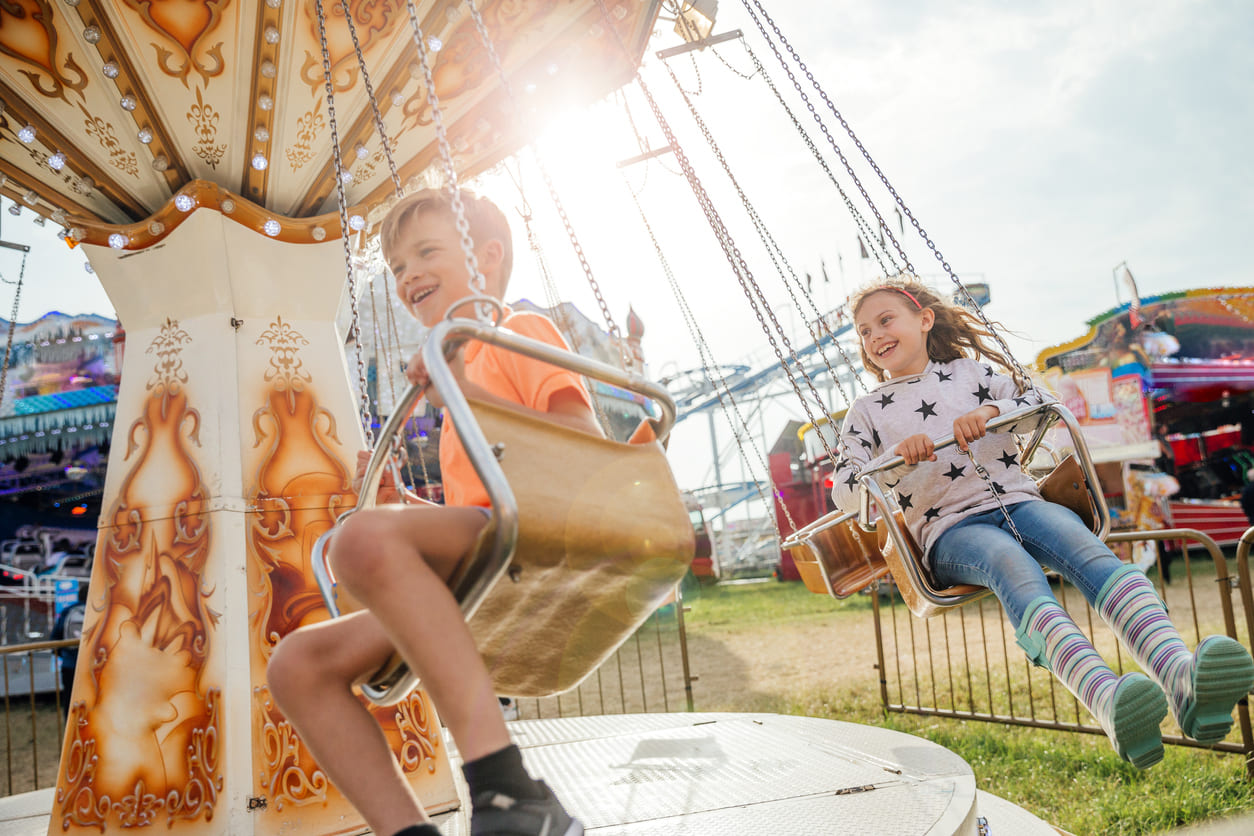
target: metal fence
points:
(965, 663)
(648, 673)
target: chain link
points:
(1022, 379)
(734, 257)
(354, 328)
(374, 103)
(482, 29)
(772, 249)
(477, 282)
(720, 387)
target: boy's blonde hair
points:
(487, 222)
(955, 333)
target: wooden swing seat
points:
(597, 539)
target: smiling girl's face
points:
(893, 332)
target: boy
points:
(395, 557)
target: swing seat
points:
(835, 557)
(587, 537)
(1073, 483)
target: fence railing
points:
(34, 718)
(649, 673)
(965, 663)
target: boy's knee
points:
(358, 550)
(290, 668)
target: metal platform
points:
(722, 774)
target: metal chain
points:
(488, 45)
(354, 328)
(477, 282)
(707, 364)
(772, 247)
(374, 103)
(857, 216)
(730, 251)
(988, 480)
(8, 347)
(835, 146)
(1022, 379)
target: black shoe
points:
(496, 814)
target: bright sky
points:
(1039, 146)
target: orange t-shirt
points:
(506, 374)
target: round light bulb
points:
(27, 134)
(144, 135)
(268, 69)
(271, 35)
(118, 241)
(87, 266)
(397, 99)
(227, 206)
(318, 233)
(356, 223)
(184, 202)
(347, 176)
(156, 228)
(274, 4)
(271, 227)
(265, 102)
(259, 162)
(57, 161)
(15, 209)
(261, 134)
(361, 151)
(77, 233)
(30, 197)
(434, 44)
(160, 162)
(127, 103)
(58, 216)
(91, 34)
(110, 69)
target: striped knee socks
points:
(1129, 708)
(1202, 686)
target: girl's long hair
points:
(955, 333)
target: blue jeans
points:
(982, 550)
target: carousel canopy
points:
(111, 108)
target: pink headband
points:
(894, 289)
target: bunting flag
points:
(900, 223)
(809, 281)
(862, 248)
(823, 265)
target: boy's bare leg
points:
(311, 675)
(396, 561)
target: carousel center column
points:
(233, 449)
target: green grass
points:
(1074, 781)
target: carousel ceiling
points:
(110, 108)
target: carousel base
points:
(720, 774)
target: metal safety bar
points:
(1049, 414)
(475, 576)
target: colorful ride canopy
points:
(111, 108)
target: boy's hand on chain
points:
(387, 485)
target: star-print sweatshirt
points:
(934, 495)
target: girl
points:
(924, 351)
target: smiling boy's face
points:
(430, 267)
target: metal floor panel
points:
(724, 775)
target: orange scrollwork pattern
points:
(145, 732)
(464, 64)
(373, 20)
(28, 32)
(186, 26)
(302, 484)
(204, 120)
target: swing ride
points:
(226, 220)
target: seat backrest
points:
(913, 581)
(603, 538)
